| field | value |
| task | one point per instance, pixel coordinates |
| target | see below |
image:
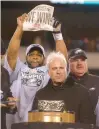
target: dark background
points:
(78, 21)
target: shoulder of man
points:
(94, 79)
(41, 92)
(82, 91)
(93, 76)
(76, 85)
(44, 89)
(80, 87)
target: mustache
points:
(33, 61)
(30, 64)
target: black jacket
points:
(5, 87)
(91, 83)
(75, 96)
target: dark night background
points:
(78, 21)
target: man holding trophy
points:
(27, 78)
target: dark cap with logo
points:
(76, 53)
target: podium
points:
(67, 117)
(52, 120)
(50, 125)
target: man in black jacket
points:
(79, 73)
(75, 96)
(7, 102)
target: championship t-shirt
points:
(25, 83)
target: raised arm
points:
(15, 41)
(60, 44)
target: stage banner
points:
(39, 18)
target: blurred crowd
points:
(89, 45)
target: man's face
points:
(78, 66)
(35, 59)
(57, 71)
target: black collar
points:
(68, 83)
(84, 77)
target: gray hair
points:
(54, 55)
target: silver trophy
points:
(51, 105)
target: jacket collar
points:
(84, 77)
(68, 82)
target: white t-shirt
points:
(25, 83)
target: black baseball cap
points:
(75, 53)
